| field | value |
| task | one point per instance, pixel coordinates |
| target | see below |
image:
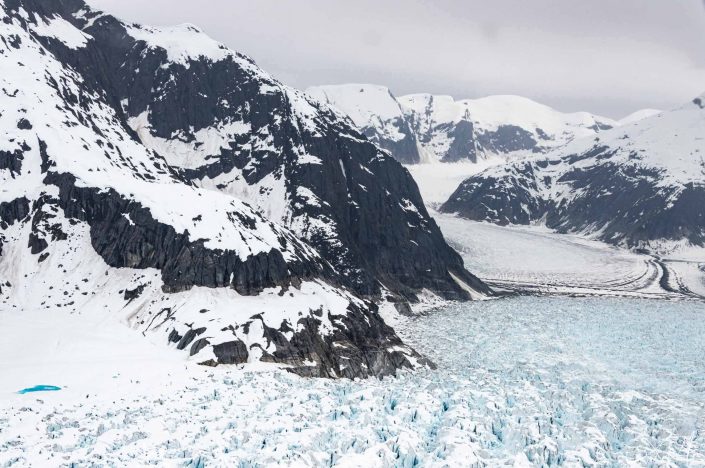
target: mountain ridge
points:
(641, 185)
(119, 177)
(450, 130)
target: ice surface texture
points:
(586, 382)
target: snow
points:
(665, 151)
(182, 43)
(671, 142)
(127, 167)
(61, 30)
(434, 114)
(74, 281)
(689, 274)
(534, 259)
(492, 111)
(521, 381)
(668, 143)
(437, 181)
(638, 115)
(305, 112)
(268, 196)
(192, 151)
(369, 106)
(570, 382)
(307, 158)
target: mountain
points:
(641, 185)
(156, 173)
(426, 128)
(473, 129)
(378, 115)
(638, 115)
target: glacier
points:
(522, 381)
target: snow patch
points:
(61, 30)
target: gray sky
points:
(605, 56)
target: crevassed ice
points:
(521, 382)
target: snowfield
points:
(523, 381)
(437, 181)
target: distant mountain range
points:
(426, 127)
(638, 182)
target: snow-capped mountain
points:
(638, 115)
(641, 185)
(473, 129)
(427, 128)
(378, 115)
(157, 173)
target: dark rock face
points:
(505, 198)
(378, 115)
(403, 150)
(15, 210)
(11, 212)
(379, 231)
(626, 202)
(12, 161)
(357, 207)
(463, 144)
(631, 207)
(146, 243)
(507, 139)
(353, 350)
(467, 142)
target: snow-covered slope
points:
(232, 231)
(377, 113)
(638, 115)
(473, 129)
(640, 185)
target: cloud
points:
(603, 56)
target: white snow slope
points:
(435, 118)
(638, 185)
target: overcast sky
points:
(605, 56)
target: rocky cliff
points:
(156, 173)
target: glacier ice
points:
(523, 381)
